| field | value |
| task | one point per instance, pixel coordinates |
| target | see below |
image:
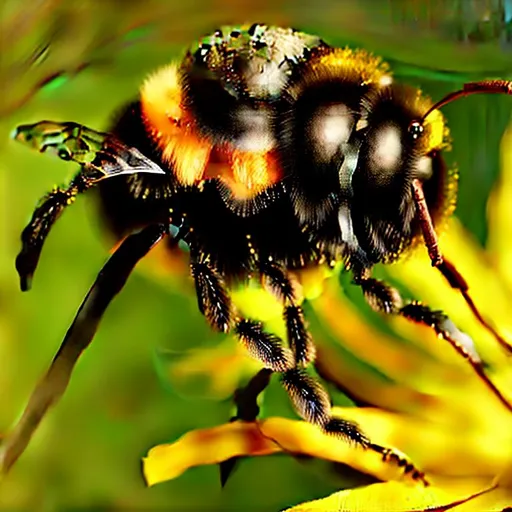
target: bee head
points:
(396, 146)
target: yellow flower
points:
(419, 395)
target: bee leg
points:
(386, 299)
(108, 284)
(313, 404)
(47, 212)
(447, 269)
(299, 337)
(309, 398)
(215, 304)
(213, 300)
(443, 327)
(263, 346)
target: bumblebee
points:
(265, 151)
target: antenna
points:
(482, 87)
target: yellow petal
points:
(499, 210)
(301, 437)
(369, 388)
(399, 497)
(313, 280)
(213, 372)
(255, 302)
(205, 446)
(419, 384)
(349, 328)
(272, 435)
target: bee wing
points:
(95, 151)
(115, 158)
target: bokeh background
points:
(81, 60)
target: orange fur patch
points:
(172, 127)
(252, 173)
(189, 156)
(245, 173)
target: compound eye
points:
(415, 129)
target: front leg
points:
(99, 155)
(383, 298)
(446, 268)
(45, 215)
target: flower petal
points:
(205, 446)
(305, 438)
(499, 210)
(399, 497)
(207, 372)
(272, 435)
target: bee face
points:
(350, 150)
(397, 147)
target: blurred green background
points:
(80, 61)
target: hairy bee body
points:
(233, 80)
(236, 243)
(263, 133)
(265, 150)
